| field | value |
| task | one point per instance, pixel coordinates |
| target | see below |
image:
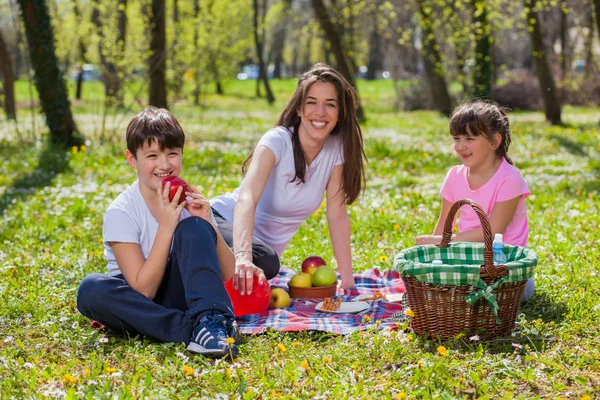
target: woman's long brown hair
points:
(353, 179)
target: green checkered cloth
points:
(461, 263)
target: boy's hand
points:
(169, 210)
(429, 239)
(199, 206)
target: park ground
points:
(53, 201)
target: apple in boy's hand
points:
(176, 182)
(279, 298)
(310, 264)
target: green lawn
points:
(50, 230)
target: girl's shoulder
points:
(510, 172)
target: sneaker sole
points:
(196, 348)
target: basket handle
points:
(488, 268)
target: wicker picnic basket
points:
(467, 306)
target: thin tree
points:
(279, 37)
(432, 62)
(564, 54)
(48, 77)
(542, 69)
(597, 13)
(8, 81)
(259, 43)
(158, 55)
(482, 78)
(343, 64)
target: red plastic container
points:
(254, 303)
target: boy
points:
(166, 262)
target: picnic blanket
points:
(302, 316)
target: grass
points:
(52, 205)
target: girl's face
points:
(476, 150)
(320, 112)
(153, 165)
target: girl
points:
(487, 175)
(315, 148)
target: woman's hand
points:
(245, 270)
(348, 283)
(169, 210)
(429, 239)
(199, 206)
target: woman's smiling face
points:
(320, 112)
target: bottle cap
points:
(437, 262)
(498, 238)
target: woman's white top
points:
(286, 203)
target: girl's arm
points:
(436, 237)
(501, 216)
(263, 161)
(145, 275)
(339, 226)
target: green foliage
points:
(50, 231)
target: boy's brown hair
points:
(154, 124)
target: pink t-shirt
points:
(506, 184)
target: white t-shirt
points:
(284, 204)
(129, 220)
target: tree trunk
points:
(121, 42)
(8, 79)
(542, 69)
(597, 7)
(279, 37)
(82, 52)
(258, 41)
(109, 72)
(375, 56)
(343, 65)
(588, 69)
(564, 57)
(48, 78)
(432, 63)
(158, 56)
(482, 79)
(197, 85)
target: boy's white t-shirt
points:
(129, 220)
(284, 204)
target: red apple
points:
(310, 264)
(176, 182)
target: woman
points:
(315, 148)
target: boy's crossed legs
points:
(191, 305)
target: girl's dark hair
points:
(353, 179)
(482, 118)
(154, 124)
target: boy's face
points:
(153, 164)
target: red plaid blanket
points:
(302, 316)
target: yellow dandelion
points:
(189, 371)
(230, 341)
(401, 395)
(109, 182)
(83, 147)
(396, 227)
(586, 397)
(380, 211)
(87, 371)
(69, 380)
(442, 351)
(304, 364)
(383, 258)
(409, 313)
(410, 337)
(281, 347)
(110, 369)
(326, 360)
(421, 363)
(459, 336)
(295, 344)
(366, 319)
(74, 149)
(228, 371)
(378, 322)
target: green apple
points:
(324, 276)
(279, 298)
(301, 280)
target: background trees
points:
(435, 53)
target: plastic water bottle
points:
(499, 257)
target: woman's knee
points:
(269, 263)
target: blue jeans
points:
(263, 255)
(191, 288)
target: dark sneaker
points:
(209, 338)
